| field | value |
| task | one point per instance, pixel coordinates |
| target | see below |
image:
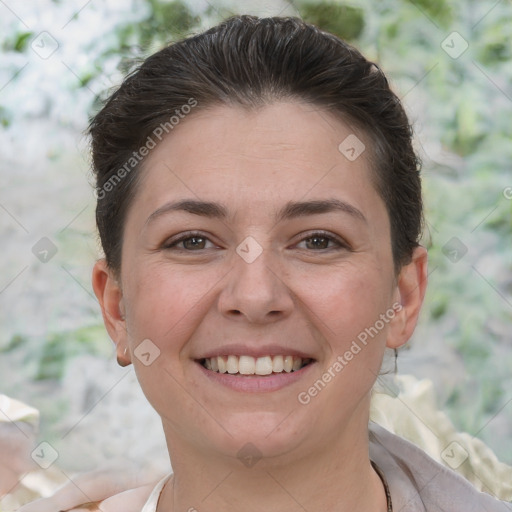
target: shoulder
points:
(420, 484)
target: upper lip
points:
(259, 351)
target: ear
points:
(110, 296)
(409, 294)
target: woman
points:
(259, 206)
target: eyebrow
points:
(290, 210)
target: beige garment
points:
(12, 411)
(152, 502)
(19, 424)
(32, 486)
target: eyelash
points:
(341, 244)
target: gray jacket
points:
(418, 483)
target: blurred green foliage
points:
(18, 42)
(164, 22)
(343, 20)
(440, 11)
(48, 360)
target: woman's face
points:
(287, 255)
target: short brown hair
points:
(251, 61)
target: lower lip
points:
(256, 383)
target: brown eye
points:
(194, 242)
(190, 242)
(321, 241)
(318, 242)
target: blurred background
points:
(449, 62)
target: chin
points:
(261, 435)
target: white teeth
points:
(222, 364)
(264, 365)
(232, 364)
(278, 364)
(247, 365)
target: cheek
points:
(347, 301)
(349, 305)
(163, 303)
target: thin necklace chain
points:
(386, 487)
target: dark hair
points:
(251, 62)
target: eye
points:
(192, 241)
(196, 241)
(319, 241)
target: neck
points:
(336, 476)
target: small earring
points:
(120, 362)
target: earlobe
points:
(110, 297)
(410, 292)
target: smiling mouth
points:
(248, 365)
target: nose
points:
(255, 291)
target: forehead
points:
(280, 131)
(281, 150)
